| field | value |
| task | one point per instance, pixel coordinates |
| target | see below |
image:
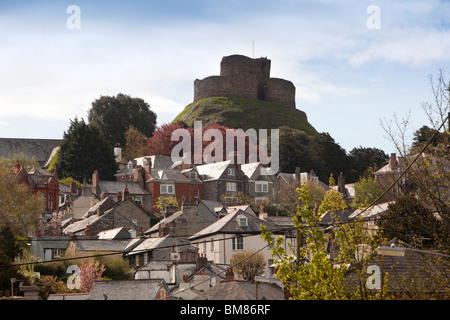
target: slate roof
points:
(144, 289)
(250, 169)
(371, 212)
(53, 242)
(161, 243)
(168, 175)
(242, 290)
(39, 149)
(157, 162)
(113, 187)
(212, 171)
(103, 204)
(412, 272)
(169, 219)
(229, 224)
(117, 233)
(101, 244)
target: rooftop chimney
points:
(341, 183)
(147, 167)
(164, 230)
(297, 174)
(263, 211)
(229, 275)
(393, 161)
(170, 209)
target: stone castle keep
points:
(244, 77)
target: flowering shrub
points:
(89, 273)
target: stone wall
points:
(244, 77)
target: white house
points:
(236, 231)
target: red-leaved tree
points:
(161, 144)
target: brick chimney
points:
(341, 183)
(126, 193)
(95, 183)
(147, 167)
(229, 275)
(164, 230)
(263, 211)
(201, 262)
(393, 161)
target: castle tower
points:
(244, 77)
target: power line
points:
(125, 252)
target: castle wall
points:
(231, 86)
(281, 91)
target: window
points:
(231, 186)
(231, 171)
(167, 189)
(237, 243)
(261, 186)
(197, 192)
(138, 199)
(192, 175)
(242, 221)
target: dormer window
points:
(242, 220)
(192, 175)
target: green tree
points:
(410, 220)
(84, 150)
(19, 208)
(362, 159)
(113, 115)
(9, 249)
(306, 270)
(367, 190)
(134, 144)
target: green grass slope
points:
(244, 113)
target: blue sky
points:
(347, 75)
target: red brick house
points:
(160, 176)
(40, 181)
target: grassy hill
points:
(300, 143)
(244, 113)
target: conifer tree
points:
(83, 151)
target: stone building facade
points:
(244, 77)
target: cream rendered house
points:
(238, 230)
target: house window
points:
(231, 171)
(231, 186)
(167, 189)
(237, 243)
(261, 186)
(138, 199)
(197, 192)
(192, 175)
